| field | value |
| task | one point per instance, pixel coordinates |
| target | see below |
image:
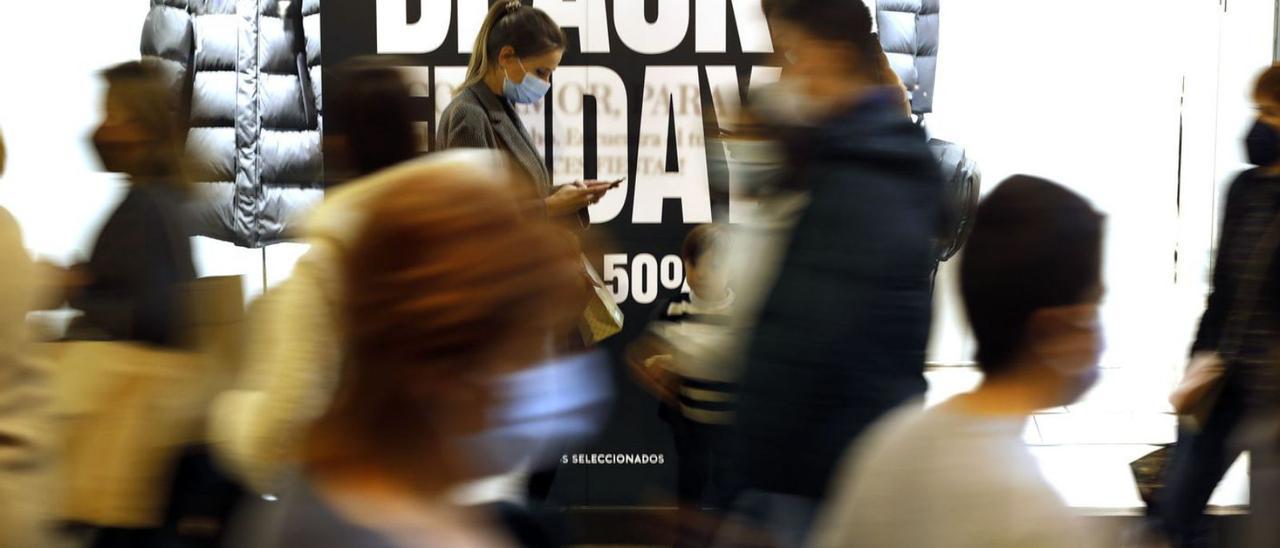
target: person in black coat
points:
(132, 289)
(131, 286)
(842, 336)
(1237, 333)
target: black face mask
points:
(1263, 144)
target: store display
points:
(247, 75)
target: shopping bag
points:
(602, 318)
(1195, 397)
(126, 410)
(1148, 473)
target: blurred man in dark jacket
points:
(842, 336)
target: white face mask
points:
(1069, 340)
(754, 165)
(787, 104)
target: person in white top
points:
(959, 475)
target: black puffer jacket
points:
(909, 34)
(247, 76)
(842, 336)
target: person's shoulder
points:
(879, 460)
(887, 435)
(1245, 183)
(464, 106)
(898, 425)
(8, 224)
(144, 204)
(159, 195)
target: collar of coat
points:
(499, 113)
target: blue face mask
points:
(530, 90)
(544, 411)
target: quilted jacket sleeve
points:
(168, 42)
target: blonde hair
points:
(528, 30)
(2, 157)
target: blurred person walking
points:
(960, 474)
(841, 337)
(443, 297)
(26, 441)
(1228, 399)
(135, 318)
(142, 254)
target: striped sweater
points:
(702, 335)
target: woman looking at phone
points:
(517, 50)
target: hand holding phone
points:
(600, 188)
(604, 186)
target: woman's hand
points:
(650, 360)
(568, 199)
(660, 380)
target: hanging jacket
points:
(909, 35)
(908, 32)
(246, 74)
(841, 338)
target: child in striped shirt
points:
(683, 360)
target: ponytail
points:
(530, 31)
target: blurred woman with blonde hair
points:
(441, 295)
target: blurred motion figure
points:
(841, 337)
(1233, 359)
(294, 351)
(135, 318)
(959, 475)
(444, 294)
(128, 290)
(26, 443)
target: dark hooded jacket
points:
(842, 336)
